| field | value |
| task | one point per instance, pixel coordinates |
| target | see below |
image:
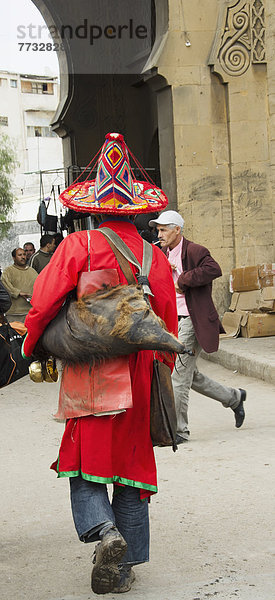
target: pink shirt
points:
(174, 257)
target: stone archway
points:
(94, 103)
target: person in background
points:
(42, 257)
(19, 279)
(194, 269)
(142, 224)
(30, 250)
(58, 237)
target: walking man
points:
(117, 449)
(194, 269)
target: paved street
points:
(212, 523)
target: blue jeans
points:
(92, 509)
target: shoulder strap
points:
(127, 254)
(120, 245)
(123, 263)
(89, 250)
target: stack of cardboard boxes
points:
(252, 309)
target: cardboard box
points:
(267, 299)
(246, 300)
(231, 323)
(245, 279)
(267, 275)
(257, 325)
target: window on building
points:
(13, 83)
(4, 121)
(36, 87)
(39, 131)
(40, 88)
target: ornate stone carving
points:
(240, 38)
(234, 54)
(258, 31)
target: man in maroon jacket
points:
(193, 272)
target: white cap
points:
(168, 217)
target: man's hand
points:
(178, 290)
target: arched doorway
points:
(92, 103)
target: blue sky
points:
(16, 18)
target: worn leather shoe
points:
(239, 411)
(108, 555)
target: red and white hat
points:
(115, 189)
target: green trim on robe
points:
(114, 479)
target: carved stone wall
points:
(240, 38)
(216, 61)
(258, 31)
(270, 53)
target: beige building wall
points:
(270, 54)
(223, 103)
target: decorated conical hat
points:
(114, 190)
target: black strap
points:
(143, 280)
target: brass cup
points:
(35, 371)
(50, 372)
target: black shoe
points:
(180, 440)
(239, 411)
(108, 554)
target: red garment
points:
(87, 390)
(106, 449)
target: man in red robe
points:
(116, 449)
